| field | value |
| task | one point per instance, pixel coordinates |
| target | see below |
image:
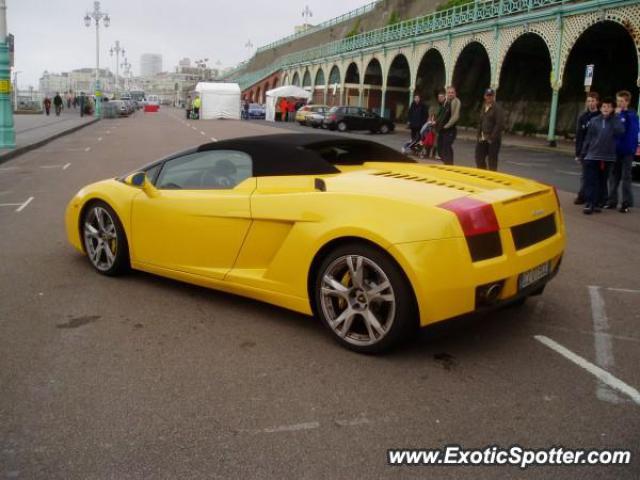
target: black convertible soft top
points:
(306, 154)
(297, 153)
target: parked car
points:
(303, 113)
(256, 112)
(315, 119)
(121, 108)
(356, 118)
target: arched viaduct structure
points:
(533, 52)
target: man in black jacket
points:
(592, 110)
(489, 132)
(418, 114)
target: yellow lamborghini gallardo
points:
(352, 231)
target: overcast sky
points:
(50, 34)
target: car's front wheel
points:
(384, 128)
(342, 126)
(364, 298)
(104, 239)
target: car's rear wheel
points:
(104, 239)
(342, 126)
(364, 298)
(384, 128)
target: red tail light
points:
(475, 217)
(332, 117)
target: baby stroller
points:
(423, 143)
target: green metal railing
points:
(434, 22)
(321, 26)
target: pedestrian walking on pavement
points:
(448, 131)
(626, 146)
(188, 107)
(57, 103)
(592, 111)
(489, 132)
(68, 101)
(599, 153)
(418, 115)
(197, 103)
(47, 105)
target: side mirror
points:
(140, 180)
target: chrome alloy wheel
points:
(100, 238)
(357, 300)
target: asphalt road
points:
(142, 377)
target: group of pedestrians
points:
(288, 108)
(606, 142)
(442, 119)
(57, 104)
(192, 107)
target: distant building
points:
(52, 83)
(185, 63)
(150, 64)
(83, 80)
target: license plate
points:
(532, 276)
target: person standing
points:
(626, 146)
(197, 103)
(68, 100)
(188, 107)
(489, 132)
(291, 104)
(418, 115)
(82, 101)
(57, 103)
(599, 153)
(448, 132)
(47, 105)
(245, 109)
(581, 131)
(284, 108)
(438, 118)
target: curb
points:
(32, 146)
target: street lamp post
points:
(117, 49)
(7, 132)
(97, 15)
(126, 71)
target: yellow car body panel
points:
(260, 239)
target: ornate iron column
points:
(555, 85)
(7, 131)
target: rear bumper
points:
(445, 280)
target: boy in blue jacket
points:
(599, 153)
(626, 146)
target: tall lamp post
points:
(117, 49)
(7, 131)
(202, 66)
(126, 70)
(97, 15)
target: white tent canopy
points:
(289, 91)
(219, 100)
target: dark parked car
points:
(356, 118)
(256, 111)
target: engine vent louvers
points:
(481, 176)
(423, 179)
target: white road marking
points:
(213, 139)
(108, 132)
(87, 149)
(9, 204)
(50, 166)
(596, 371)
(202, 133)
(292, 428)
(188, 124)
(521, 164)
(353, 422)
(602, 342)
(6, 169)
(66, 165)
(24, 205)
(566, 172)
(625, 290)
(99, 139)
(194, 128)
